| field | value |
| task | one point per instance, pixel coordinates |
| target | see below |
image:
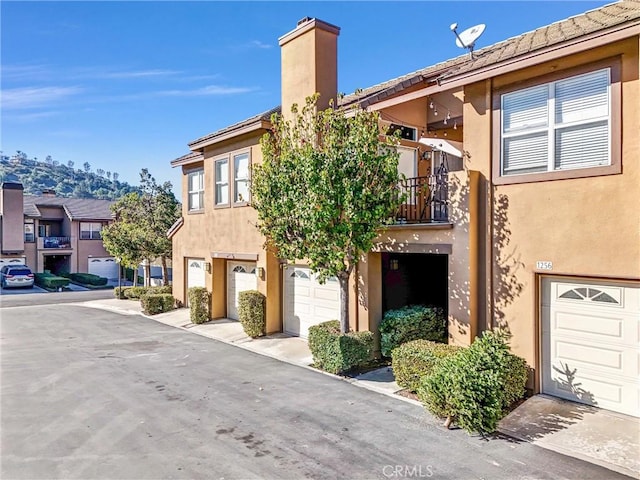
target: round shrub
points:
(251, 313)
(335, 352)
(475, 386)
(416, 359)
(412, 323)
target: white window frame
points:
(552, 127)
(93, 229)
(199, 191)
(220, 183)
(237, 179)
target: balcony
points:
(54, 242)
(425, 200)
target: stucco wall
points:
(227, 231)
(12, 239)
(584, 226)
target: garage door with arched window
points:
(590, 343)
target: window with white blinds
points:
(560, 125)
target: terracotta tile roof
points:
(264, 116)
(608, 16)
(75, 208)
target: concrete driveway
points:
(22, 291)
(90, 393)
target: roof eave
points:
(178, 162)
(214, 139)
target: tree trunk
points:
(343, 279)
(147, 273)
(165, 271)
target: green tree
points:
(327, 184)
(139, 231)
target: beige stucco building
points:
(524, 185)
(54, 233)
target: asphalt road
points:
(94, 394)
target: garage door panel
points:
(240, 277)
(307, 302)
(587, 355)
(327, 294)
(578, 323)
(590, 347)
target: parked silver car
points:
(16, 276)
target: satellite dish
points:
(467, 39)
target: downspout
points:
(490, 250)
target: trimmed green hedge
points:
(50, 281)
(475, 387)
(251, 313)
(138, 292)
(335, 352)
(153, 303)
(412, 323)
(199, 299)
(414, 360)
(88, 279)
(121, 292)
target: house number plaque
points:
(544, 265)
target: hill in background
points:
(65, 180)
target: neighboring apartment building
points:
(54, 233)
(524, 186)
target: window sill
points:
(558, 175)
(222, 206)
(196, 212)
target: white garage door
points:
(106, 267)
(13, 261)
(195, 273)
(590, 343)
(307, 302)
(241, 276)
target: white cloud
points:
(22, 72)
(209, 90)
(32, 97)
(259, 44)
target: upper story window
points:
(222, 181)
(90, 230)
(29, 232)
(241, 178)
(196, 189)
(560, 129)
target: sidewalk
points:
(593, 435)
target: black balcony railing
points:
(56, 242)
(425, 200)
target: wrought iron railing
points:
(56, 242)
(425, 199)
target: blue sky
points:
(127, 85)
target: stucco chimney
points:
(12, 211)
(309, 63)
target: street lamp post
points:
(118, 259)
